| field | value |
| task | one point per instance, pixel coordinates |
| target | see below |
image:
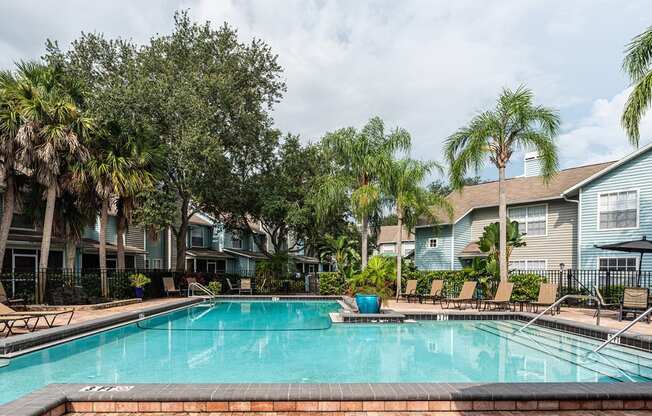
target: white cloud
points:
(599, 137)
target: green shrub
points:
(332, 283)
(526, 286)
(613, 294)
(215, 287)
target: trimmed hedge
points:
(526, 286)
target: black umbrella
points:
(641, 246)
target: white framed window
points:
(620, 264)
(618, 210)
(196, 237)
(236, 242)
(387, 248)
(154, 263)
(532, 220)
(536, 264)
(432, 243)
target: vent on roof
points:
(532, 164)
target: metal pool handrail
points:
(625, 329)
(201, 288)
(557, 302)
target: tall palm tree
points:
(516, 123)
(638, 57)
(116, 177)
(51, 136)
(143, 157)
(10, 122)
(403, 187)
(359, 158)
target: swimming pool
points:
(295, 342)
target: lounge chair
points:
(48, 317)
(169, 287)
(636, 300)
(410, 290)
(603, 305)
(6, 300)
(465, 296)
(502, 299)
(245, 286)
(547, 296)
(8, 322)
(189, 281)
(232, 289)
(436, 292)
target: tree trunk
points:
(50, 200)
(181, 235)
(7, 216)
(399, 254)
(120, 231)
(365, 236)
(71, 251)
(104, 220)
(502, 214)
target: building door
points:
(24, 266)
(211, 267)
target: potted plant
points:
(139, 281)
(372, 287)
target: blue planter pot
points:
(140, 292)
(368, 303)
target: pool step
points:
(606, 369)
(631, 357)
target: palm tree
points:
(516, 123)
(359, 158)
(489, 242)
(51, 138)
(403, 187)
(638, 57)
(10, 122)
(343, 250)
(116, 175)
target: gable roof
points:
(389, 234)
(608, 169)
(520, 190)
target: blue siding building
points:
(615, 205)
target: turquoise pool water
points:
(294, 342)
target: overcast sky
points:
(427, 66)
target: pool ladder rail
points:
(206, 292)
(616, 336)
(559, 302)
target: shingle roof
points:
(389, 234)
(519, 190)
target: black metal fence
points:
(610, 283)
(72, 287)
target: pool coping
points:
(18, 344)
(56, 399)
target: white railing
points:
(202, 288)
(625, 329)
(558, 302)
